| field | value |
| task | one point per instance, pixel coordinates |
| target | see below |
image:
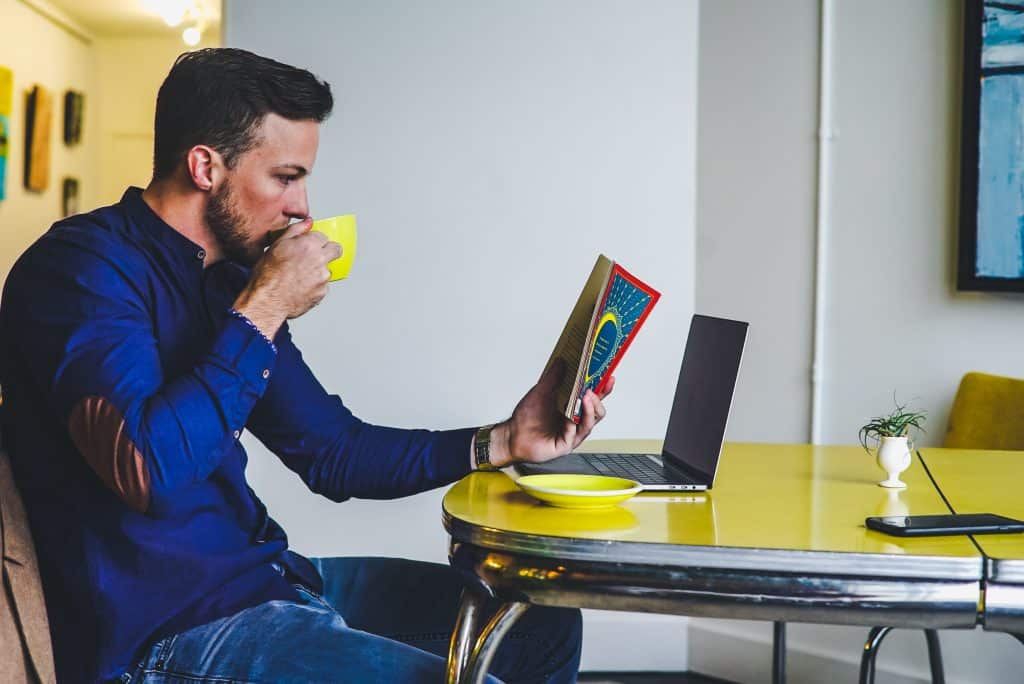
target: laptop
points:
(696, 425)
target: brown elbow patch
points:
(98, 430)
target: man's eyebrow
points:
(298, 168)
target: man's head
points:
(245, 130)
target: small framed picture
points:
(37, 139)
(74, 103)
(69, 197)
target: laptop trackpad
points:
(570, 463)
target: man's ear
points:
(204, 167)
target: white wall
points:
(39, 52)
(490, 151)
(894, 321)
(897, 184)
(129, 71)
(757, 113)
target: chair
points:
(987, 413)
(27, 654)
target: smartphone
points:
(925, 525)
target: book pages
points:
(572, 344)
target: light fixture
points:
(191, 36)
(173, 12)
(194, 16)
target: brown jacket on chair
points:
(26, 654)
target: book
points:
(608, 313)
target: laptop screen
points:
(696, 426)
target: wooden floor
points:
(649, 678)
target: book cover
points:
(608, 313)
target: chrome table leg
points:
(935, 656)
(467, 624)
(470, 654)
(779, 653)
(489, 640)
(867, 661)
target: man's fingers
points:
(609, 386)
(334, 250)
(299, 227)
(589, 418)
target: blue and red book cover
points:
(625, 303)
(603, 323)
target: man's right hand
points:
(289, 280)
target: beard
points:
(225, 222)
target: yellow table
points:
(976, 481)
(780, 537)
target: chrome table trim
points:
(718, 557)
(717, 592)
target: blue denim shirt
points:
(127, 382)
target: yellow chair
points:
(987, 413)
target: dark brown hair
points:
(219, 97)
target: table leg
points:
(470, 655)
(867, 660)
(779, 653)
(935, 656)
(467, 624)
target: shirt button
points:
(237, 434)
(266, 373)
(201, 254)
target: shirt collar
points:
(147, 220)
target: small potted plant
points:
(891, 434)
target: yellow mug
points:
(340, 229)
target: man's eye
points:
(286, 179)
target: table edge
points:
(720, 557)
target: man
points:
(139, 340)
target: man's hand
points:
(289, 280)
(537, 430)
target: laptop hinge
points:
(689, 471)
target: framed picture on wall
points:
(6, 96)
(69, 197)
(38, 108)
(991, 254)
(74, 105)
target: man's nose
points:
(298, 206)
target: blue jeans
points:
(379, 620)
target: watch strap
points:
(482, 448)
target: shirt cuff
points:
(453, 457)
(248, 321)
(247, 350)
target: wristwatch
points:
(482, 448)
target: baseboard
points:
(620, 642)
(739, 656)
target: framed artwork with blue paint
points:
(992, 148)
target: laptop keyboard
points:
(631, 466)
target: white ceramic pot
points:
(893, 458)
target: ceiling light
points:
(191, 36)
(171, 11)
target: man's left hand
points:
(538, 431)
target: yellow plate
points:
(578, 491)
